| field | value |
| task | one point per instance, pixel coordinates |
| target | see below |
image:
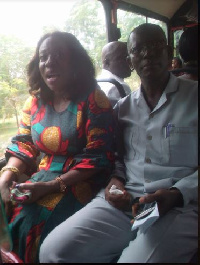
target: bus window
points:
(177, 35)
(158, 22)
(126, 21)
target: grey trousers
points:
(98, 233)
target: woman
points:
(70, 122)
(176, 63)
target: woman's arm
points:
(96, 158)
(8, 177)
(22, 147)
(40, 189)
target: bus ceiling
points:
(177, 14)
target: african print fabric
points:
(80, 137)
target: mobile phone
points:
(17, 196)
(144, 210)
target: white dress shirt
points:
(160, 147)
(109, 89)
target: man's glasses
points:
(142, 49)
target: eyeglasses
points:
(153, 45)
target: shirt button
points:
(149, 137)
(148, 160)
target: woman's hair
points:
(83, 77)
(188, 44)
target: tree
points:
(14, 56)
(86, 23)
(127, 21)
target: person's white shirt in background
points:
(110, 89)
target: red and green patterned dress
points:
(79, 137)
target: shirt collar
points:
(172, 86)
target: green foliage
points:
(14, 56)
(87, 23)
(127, 21)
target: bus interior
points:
(175, 14)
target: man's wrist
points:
(122, 180)
(179, 201)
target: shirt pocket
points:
(131, 141)
(182, 146)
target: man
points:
(157, 143)
(115, 66)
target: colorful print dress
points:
(79, 137)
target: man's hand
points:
(119, 201)
(166, 199)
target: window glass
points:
(127, 21)
(177, 35)
(160, 23)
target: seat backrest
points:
(188, 70)
(119, 86)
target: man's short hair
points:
(147, 26)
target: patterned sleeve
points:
(98, 128)
(22, 144)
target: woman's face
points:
(175, 64)
(54, 64)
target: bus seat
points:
(116, 83)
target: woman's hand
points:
(166, 199)
(5, 195)
(119, 201)
(37, 189)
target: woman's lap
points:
(31, 223)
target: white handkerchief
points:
(114, 190)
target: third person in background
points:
(115, 66)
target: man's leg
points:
(95, 234)
(172, 239)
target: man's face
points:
(118, 63)
(148, 53)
